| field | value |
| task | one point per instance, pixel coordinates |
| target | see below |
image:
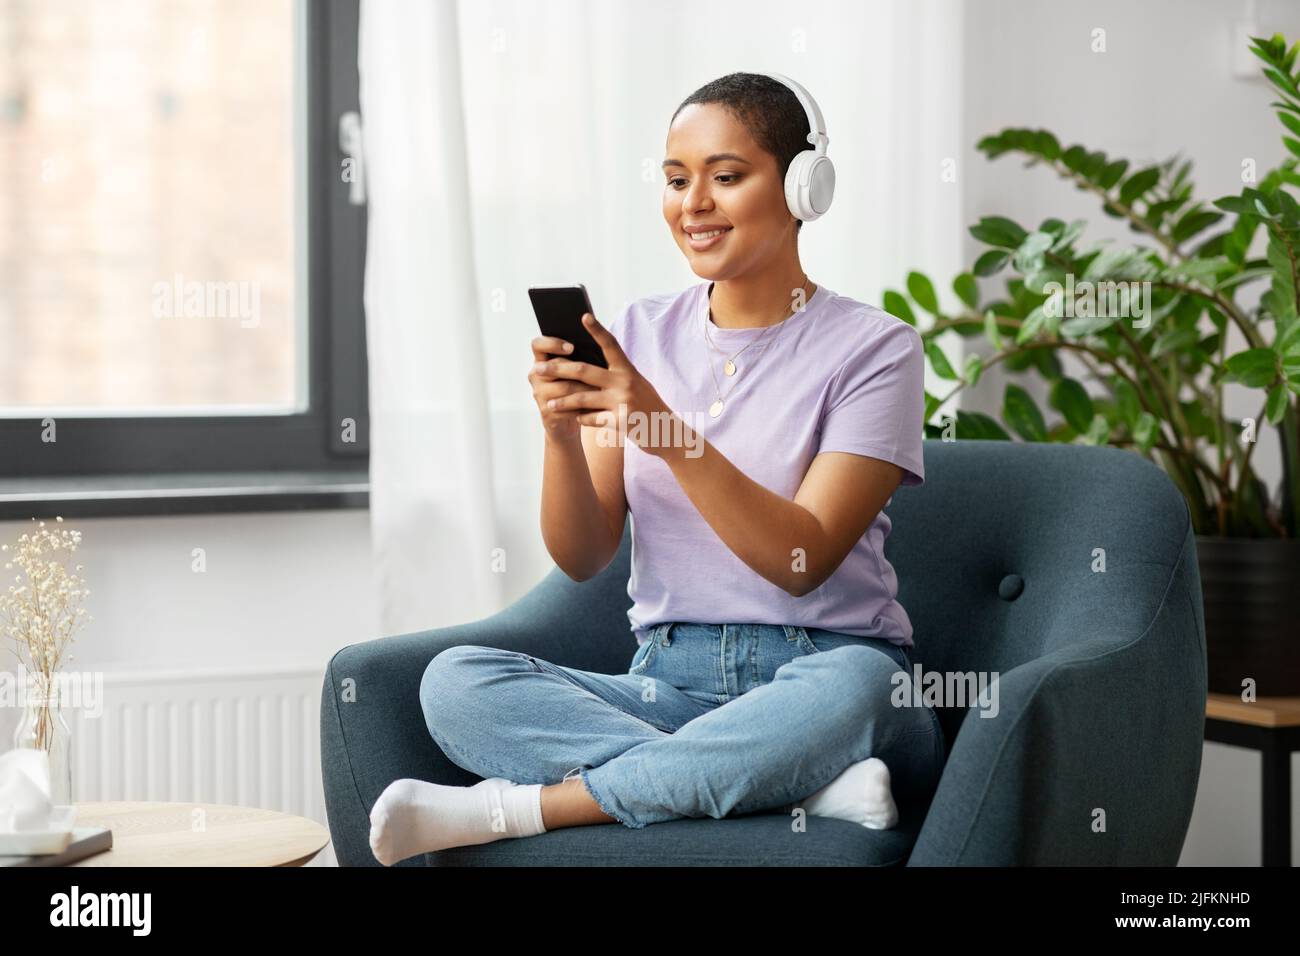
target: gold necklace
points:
(730, 367)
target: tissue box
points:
(54, 839)
(30, 822)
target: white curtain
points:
(511, 143)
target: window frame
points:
(309, 442)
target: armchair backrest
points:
(1012, 550)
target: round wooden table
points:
(200, 834)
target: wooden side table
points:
(200, 834)
(1270, 725)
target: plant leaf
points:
(1070, 233)
(1290, 122)
(1200, 269)
(1254, 368)
(1037, 281)
(939, 361)
(1146, 430)
(1072, 400)
(1282, 82)
(1174, 340)
(896, 305)
(1033, 323)
(921, 290)
(1029, 256)
(1194, 221)
(1239, 205)
(998, 231)
(990, 262)
(1275, 407)
(932, 403)
(1126, 402)
(1021, 413)
(1098, 432)
(1079, 326)
(1046, 145)
(1288, 343)
(1138, 183)
(1112, 174)
(967, 289)
(979, 426)
(1245, 275)
(991, 329)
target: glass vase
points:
(43, 727)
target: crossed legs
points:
(821, 735)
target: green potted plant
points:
(1150, 324)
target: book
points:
(86, 841)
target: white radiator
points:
(243, 737)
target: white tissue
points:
(25, 791)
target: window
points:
(181, 255)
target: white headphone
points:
(810, 181)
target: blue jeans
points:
(710, 720)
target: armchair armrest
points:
(372, 726)
(1094, 755)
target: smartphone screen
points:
(559, 313)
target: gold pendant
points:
(716, 408)
(730, 367)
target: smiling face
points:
(717, 175)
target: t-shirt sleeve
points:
(876, 404)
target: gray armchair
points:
(1092, 759)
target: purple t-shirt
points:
(840, 375)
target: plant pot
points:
(1251, 592)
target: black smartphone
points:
(559, 312)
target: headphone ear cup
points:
(794, 191)
(809, 185)
(821, 188)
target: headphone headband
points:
(816, 125)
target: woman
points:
(771, 644)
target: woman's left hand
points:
(620, 394)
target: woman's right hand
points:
(563, 425)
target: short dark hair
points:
(768, 109)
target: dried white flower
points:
(41, 616)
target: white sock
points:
(414, 816)
(860, 795)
